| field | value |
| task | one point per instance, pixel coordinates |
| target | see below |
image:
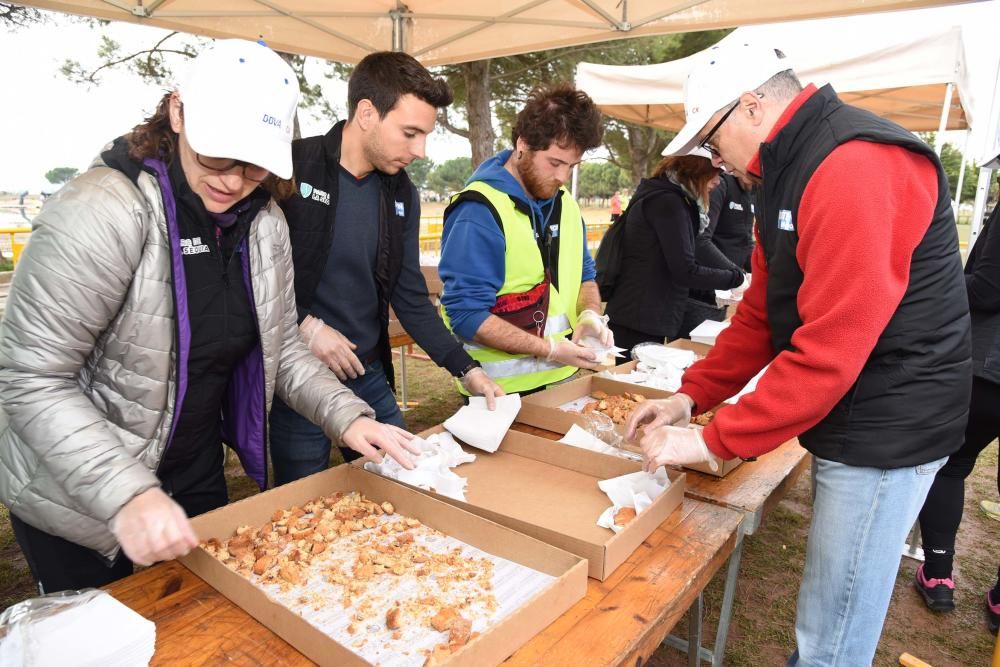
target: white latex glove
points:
(671, 445)
(331, 347)
(568, 353)
(672, 411)
(478, 383)
(737, 292)
(364, 435)
(589, 323)
(152, 527)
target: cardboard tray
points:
(549, 491)
(542, 410)
(491, 647)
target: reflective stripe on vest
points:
(523, 270)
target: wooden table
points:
(753, 489)
(620, 621)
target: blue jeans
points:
(861, 517)
(300, 448)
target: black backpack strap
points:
(476, 196)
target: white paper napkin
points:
(708, 331)
(605, 354)
(439, 454)
(637, 490)
(578, 436)
(480, 427)
(100, 632)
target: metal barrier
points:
(15, 239)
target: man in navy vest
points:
(858, 305)
(354, 228)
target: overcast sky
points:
(48, 122)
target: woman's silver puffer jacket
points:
(88, 362)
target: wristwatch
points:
(468, 369)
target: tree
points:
(419, 170)
(15, 16)
(155, 64)
(60, 175)
(504, 83)
(601, 180)
(951, 160)
(450, 176)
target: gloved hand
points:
(737, 292)
(365, 434)
(569, 353)
(152, 527)
(331, 347)
(671, 445)
(672, 411)
(478, 383)
(589, 323)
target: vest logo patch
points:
(400, 209)
(734, 206)
(193, 246)
(785, 220)
(309, 192)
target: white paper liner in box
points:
(637, 490)
(606, 354)
(666, 378)
(476, 425)
(577, 436)
(439, 453)
(513, 585)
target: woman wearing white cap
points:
(151, 318)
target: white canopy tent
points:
(903, 66)
(450, 31)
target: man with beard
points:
(354, 228)
(519, 282)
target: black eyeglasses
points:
(251, 172)
(711, 133)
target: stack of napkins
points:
(708, 331)
(438, 455)
(476, 425)
(88, 630)
(637, 490)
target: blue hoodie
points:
(472, 267)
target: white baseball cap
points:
(726, 71)
(239, 102)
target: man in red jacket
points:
(857, 304)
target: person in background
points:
(616, 207)
(354, 226)
(858, 305)
(658, 264)
(726, 242)
(151, 319)
(518, 277)
(942, 511)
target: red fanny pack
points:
(527, 311)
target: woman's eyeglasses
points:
(251, 172)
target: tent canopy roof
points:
(450, 31)
(900, 74)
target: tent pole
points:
(397, 30)
(943, 125)
(982, 190)
(961, 173)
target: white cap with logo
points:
(726, 71)
(239, 102)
